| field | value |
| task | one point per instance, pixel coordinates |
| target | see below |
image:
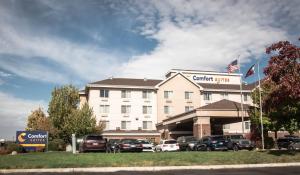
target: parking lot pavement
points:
(248, 171)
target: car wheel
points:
(81, 150)
(235, 148)
(188, 149)
(291, 148)
(208, 148)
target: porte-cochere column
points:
(201, 127)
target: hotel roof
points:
(127, 82)
(224, 105)
(227, 86)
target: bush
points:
(56, 145)
(4, 151)
(14, 147)
(269, 143)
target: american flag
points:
(233, 66)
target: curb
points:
(158, 168)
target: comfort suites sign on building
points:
(214, 78)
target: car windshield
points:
(129, 141)
(236, 137)
(94, 138)
(143, 141)
(170, 142)
(218, 138)
(190, 139)
(114, 141)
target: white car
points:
(147, 145)
(167, 145)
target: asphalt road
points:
(249, 171)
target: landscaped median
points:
(68, 160)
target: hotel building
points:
(186, 102)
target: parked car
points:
(295, 145)
(112, 144)
(284, 142)
(212, 143)
(129, 145)
(238, 142)
(167, 145)
(93, 143)
(187, 143)
(147, 145)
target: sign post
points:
(74, 143)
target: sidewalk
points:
(163, 168)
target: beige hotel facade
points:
(186, 102)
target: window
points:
(224, 96)
(188, 95)
(147, 109)
(104, 108)
(188, 108)
(245, 97)
(104, 93)
(147, 125)
(226, 126)
(168, 94)
(125, 94)
(167, 109)
(247, 125)
(125, 109)
(146, 94)
(106, 125)
(207, 96)
(125, 124)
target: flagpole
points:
(242, 106)
(260, 109)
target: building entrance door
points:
(216, 127)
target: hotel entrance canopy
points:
(200, 118)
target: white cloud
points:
(205, 35)
(14, 112)
(5, 74)
(84, 61)
(195, 34)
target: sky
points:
(49, 43)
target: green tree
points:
(66, 116)
(81, 122)
(63, 102)
(254, 112)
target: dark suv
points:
(237, 142)
(187, 143)
(212, 143)
(129, 145)
(285, 142)
(93, 143)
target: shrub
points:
(4, 151)
(269, 143)
(14, 147)
(56, 145)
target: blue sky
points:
(48, 43)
